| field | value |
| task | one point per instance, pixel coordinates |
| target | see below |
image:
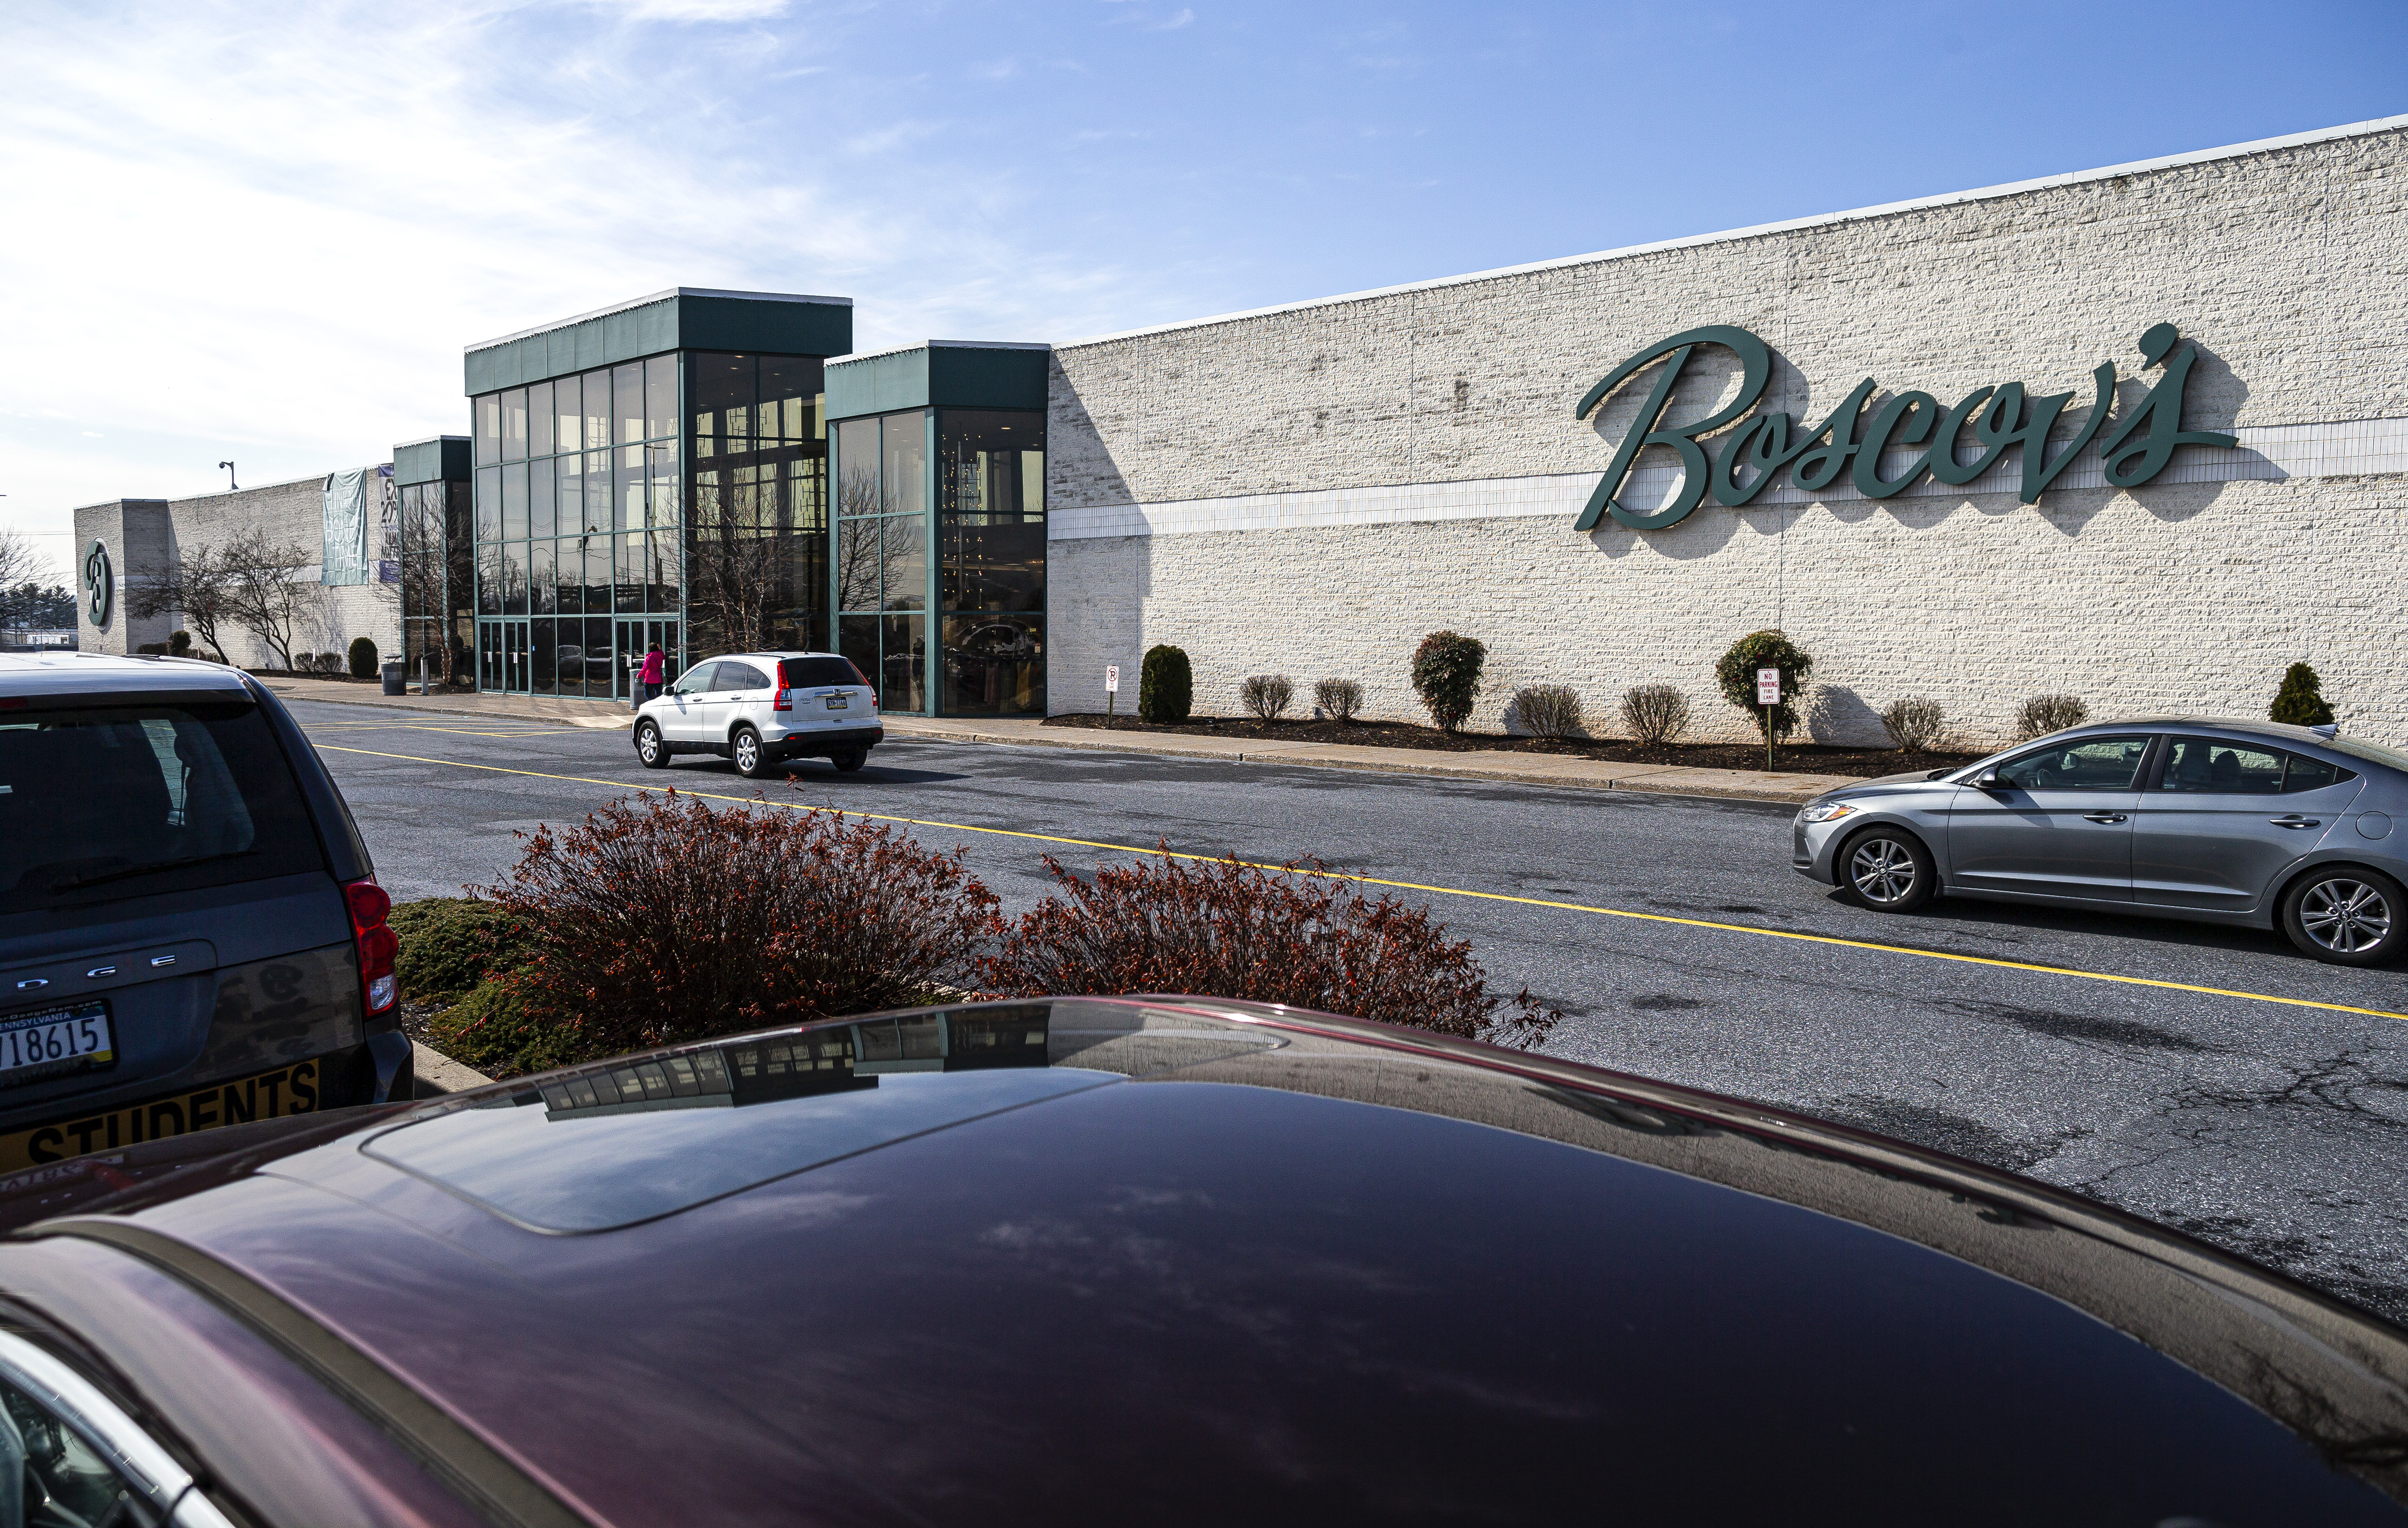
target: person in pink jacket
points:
(650, 678)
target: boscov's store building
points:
(2139, 434)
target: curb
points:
(1375, 766)
(437, 1074)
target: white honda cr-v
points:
(759, 708)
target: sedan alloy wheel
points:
(2345, 916)
(1887, 871)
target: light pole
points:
(230, 482)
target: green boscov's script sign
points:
(99, 583)
(2002, 419)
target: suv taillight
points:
(379, 945)
(785, 701)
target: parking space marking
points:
(1833, 939)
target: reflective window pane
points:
(599, 681)
(905, 555)
(514, 425)
(660, 396)
(630, 590)
(540, 420)
(994, 666)
(488, 410)
(544, 655)
(857, 639)
(664, 476)
(630, 485)
(993, 567)
(489, 504)
(856, 456)
(597, 492)
(788, 385)
(514, 579)
(858, 580)
(569, 574)
(596, 386)
(539, 497)
(719, 389)
(514, 501)
(627, 397)
(540, 578)
(903, 477)
(902, 662)
(568, 415)
(664, 570)
(570, 515)
(489, 579)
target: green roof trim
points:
(680, 318)
(441, 459)
(941, 374)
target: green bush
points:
(2300, 702)
(1736, 674)
(1165, 686)
(492, 1030)
(1446, 675)
(451, 944)
(180, 644)
(363, 658)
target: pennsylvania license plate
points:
(261, 1095)
(838, 703)
(55, 1041)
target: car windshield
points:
(137, 800)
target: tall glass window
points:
(514, 425)
(878, 577)
(540, 420)
(991, 561)
(754, 572)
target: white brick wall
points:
(2288, 266)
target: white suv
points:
(759, 708)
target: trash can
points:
(394, 682)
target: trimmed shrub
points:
(1340, 698)
(1165, 685)
(1446, 675)
(180, 644)
(1735, 672)
(363, 658)
(493, 1030)
(2300, 702)
(1914, 724)
(451, 944)
(661, 920)
(1549, 711)
(2043, 714)
(1655, 713)
(1266, 695)
(1223, 929)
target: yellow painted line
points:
(1990, 961)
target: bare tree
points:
(19, 563)
(197, 587)
(265, 594)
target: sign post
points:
(1767, 694)
(1111, 692)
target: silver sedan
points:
(2247, 823)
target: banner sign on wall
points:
(2002, 419)
(345, 554)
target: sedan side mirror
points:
(1989, 780)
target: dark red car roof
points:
(1185, 1260)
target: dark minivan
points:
(191, 935)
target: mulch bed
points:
(1789, 759)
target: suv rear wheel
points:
(1887, 870)
(752, 759)
(847, 762)
(651, 752)
(2345, 915)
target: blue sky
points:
(265, 231)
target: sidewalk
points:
(1486, 765)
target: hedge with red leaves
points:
(1225, 929)
(665, 921)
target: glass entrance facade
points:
(679, 498)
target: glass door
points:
(635, 639)
(515, 676)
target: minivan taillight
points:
(379, 945)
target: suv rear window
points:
(102, 804)
(812, 673)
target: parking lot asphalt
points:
(2261, 1114)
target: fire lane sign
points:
(1768, 687)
